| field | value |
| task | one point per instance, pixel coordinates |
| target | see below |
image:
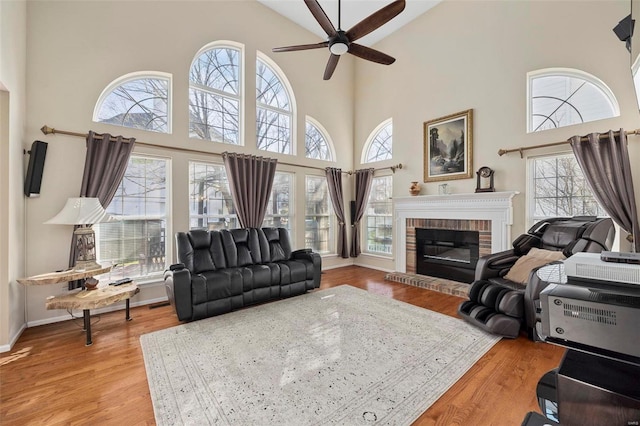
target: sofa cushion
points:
(536, 257)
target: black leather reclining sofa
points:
(220, 271)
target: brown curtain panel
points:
(604, 160)
(363, 187)
(104, 166)
(250, 181)
(334, 183)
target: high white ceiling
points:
(353, 11)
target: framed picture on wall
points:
(448, 147)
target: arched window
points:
(274, 108)
(317, 144)
(559, 97)
(379, 146)
(215, 93)
(140, 100)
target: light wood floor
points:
(51, 378)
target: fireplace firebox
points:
(447, 253)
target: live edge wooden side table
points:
(86, 300)
(93, 299)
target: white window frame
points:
(573, 73)
(292, 102)
(239, 97)
(372, 136)
(330, 214)
(530, 201)
(232, 218)
(291, 215)
(168, 249)
(327, 139)
(364, 239)
(139, 75)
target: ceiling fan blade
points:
(331, 66)
(300, 47)
(375, 20)
(321, 17)
(370, 54)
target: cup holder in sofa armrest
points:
(176, 267)
(305, 250)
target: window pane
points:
(559, 100)
(381, 147)
(279, 208)
(210, 202)
(137, 242)
(274, 131)
(217, 69)
(139, 104)
(273, 111)
(214, 96)
(318, 217)
(379, 216)
(559, 189)
(213, 117)
(269, 88)
(316, 145)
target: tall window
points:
(274, 110)
(280, 207)
(379, 146)
(557, 187)
(215, 86)
(138, 100)
(138, 241)
(318, 221)
(378, 217)
(561, 97)
(210, 201)
(317, 141)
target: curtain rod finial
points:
(502, 152)
(47, 130)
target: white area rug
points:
(337, 356)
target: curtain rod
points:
(51, 131)
(501, 152)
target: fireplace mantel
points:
(496, 207)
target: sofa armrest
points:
(316, 261)
(177, 283)
(495, 265)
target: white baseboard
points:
(13, 339)
(370, 266)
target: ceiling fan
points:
(341, 42)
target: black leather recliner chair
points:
(504, 307)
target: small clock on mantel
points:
(484, 180)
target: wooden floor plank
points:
(51, 378)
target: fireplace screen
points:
(447, 253)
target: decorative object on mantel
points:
(414, 189)
(484, 180)
(84, 212)
(443, 189)
(448, 147)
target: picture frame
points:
(448, 147)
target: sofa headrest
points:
(560, 234)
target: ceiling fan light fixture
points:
(339, 48)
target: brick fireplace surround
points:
(490, 213)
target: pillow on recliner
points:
(536, 257)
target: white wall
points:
(13, 25)
(475, 54)
(460, 55)
(78, 48)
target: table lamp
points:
(82, 211)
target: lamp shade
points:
(80, 211)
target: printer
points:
(597, 309)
